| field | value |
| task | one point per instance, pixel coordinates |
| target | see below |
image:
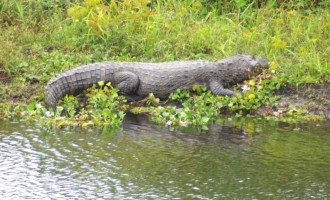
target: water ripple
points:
(145, 161)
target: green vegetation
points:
(42, 38)
(102, 107)
(204, 107)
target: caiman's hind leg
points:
(127, 83)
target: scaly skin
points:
(139, 78)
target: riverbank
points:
(293, 37)
(310, 99)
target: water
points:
(235, 159)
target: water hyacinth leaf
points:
(205, 119)
(31, 106)
(101, 83)
(107, 113)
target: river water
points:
(244, 158)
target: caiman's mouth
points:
(259, 66)
(263, 62)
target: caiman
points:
(138, 79)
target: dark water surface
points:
(235, 159)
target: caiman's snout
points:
(263, 62)
(257, 66)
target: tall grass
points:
(43, 37)
(295, 41)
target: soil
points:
(315, 98)
(4, 78)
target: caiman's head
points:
(242, 67)
(255, 65)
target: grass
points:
(42, 38)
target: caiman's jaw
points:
(258, 65)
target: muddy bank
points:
(4, 78)
(315, 98)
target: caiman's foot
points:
(132, 98)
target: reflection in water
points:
(242, 159)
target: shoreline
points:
(307, 99)
(310, 97)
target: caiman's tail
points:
(76, 80)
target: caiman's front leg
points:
(127, 83)
(218, 89)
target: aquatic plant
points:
(202, 107)
(102, 107)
